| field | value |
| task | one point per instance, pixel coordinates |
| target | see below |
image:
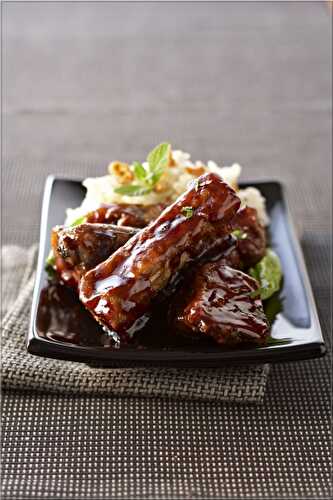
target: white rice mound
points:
(176, 180)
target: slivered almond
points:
(160, 187)
(171, 161)
(122, 171)
(196, 170)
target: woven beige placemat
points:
(21, 370)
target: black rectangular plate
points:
(297, 326)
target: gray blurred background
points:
(85, 83)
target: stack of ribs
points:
(124, 257)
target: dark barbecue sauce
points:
(62, 318)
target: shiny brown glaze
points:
(62, 317)
(125, 215)
(220, 302)
(80, 248)
(119, 291)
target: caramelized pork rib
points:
(125, 215)
(220, 302)
(80, 248)
(66, 274)
(119, 291)
(251, 246)
(245, 250)
(87, 245)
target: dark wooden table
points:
(86, 83)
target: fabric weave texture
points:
(21, 370)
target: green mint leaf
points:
(139, 171)
(78, 221)
(272, 307)
(273, 341)
(154, 177)
(133, 190)
(268, 273)
(239, 234)
(50, 265)
(158, 157)
(50, 260)
(187, 212)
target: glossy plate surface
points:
(70, 333)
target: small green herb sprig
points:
(187, 212)
(239, 234)
(147, 177)
(78, 221)
(274, 341)
(50, 265)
